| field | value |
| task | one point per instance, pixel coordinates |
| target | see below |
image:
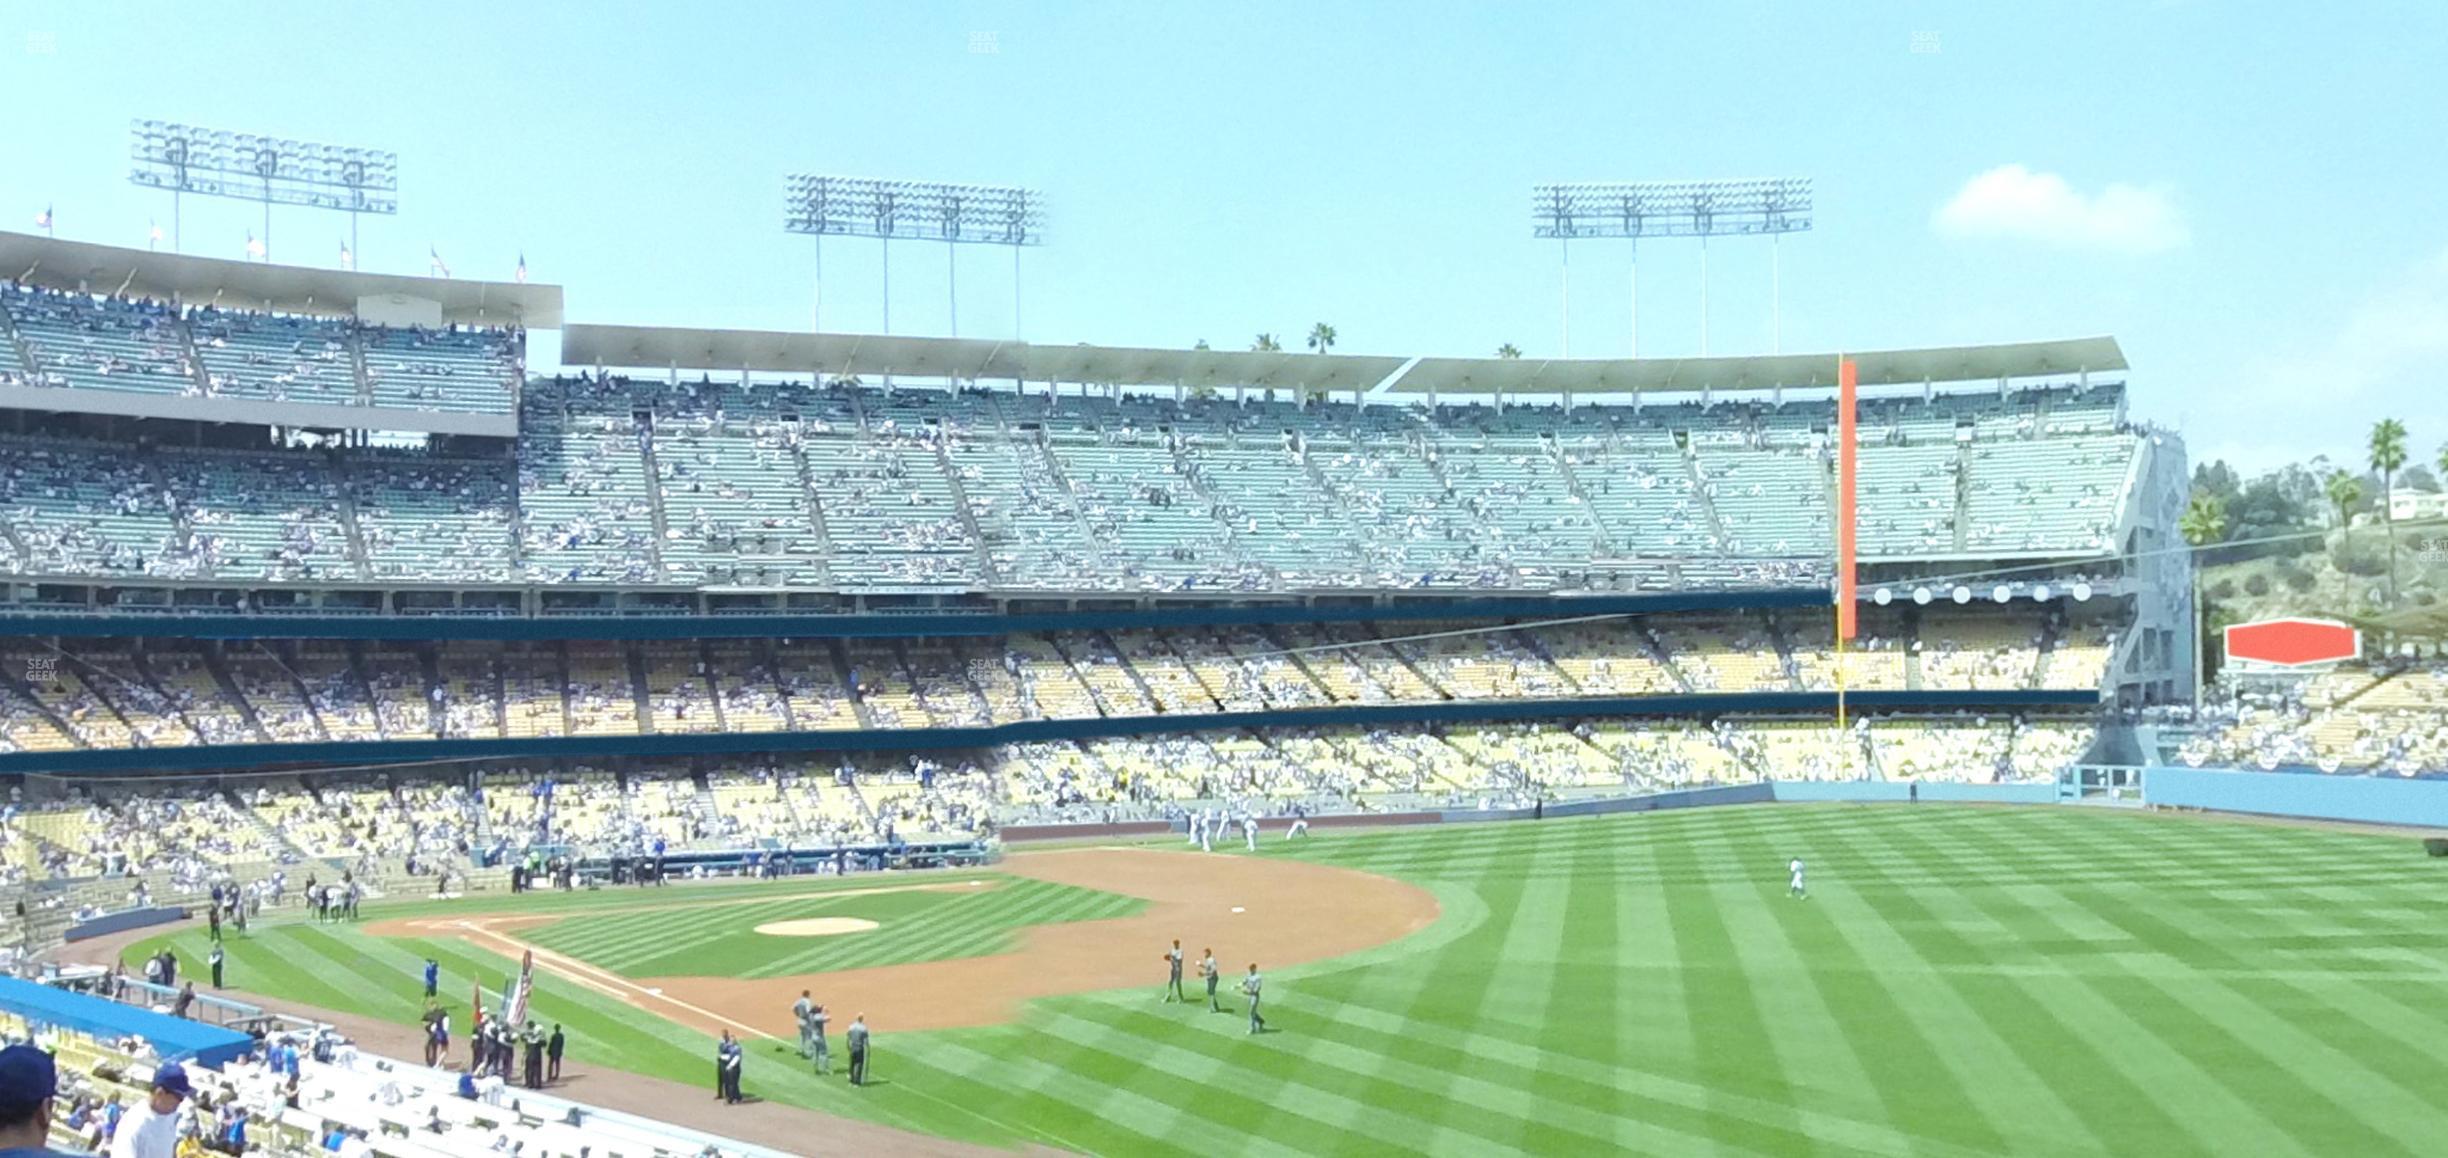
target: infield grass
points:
(1962, 981)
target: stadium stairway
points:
(181, 525)
(194, 358)
(1963, 496)
(1604, 539)
(359, 557)
(2052, 629)
(1700, 494)
(961, 504)
(815, 509)
(654, 498)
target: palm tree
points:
(2344, 491)
(2203, 523)
(2388, 456)
(2443, 462)
(1508, 350)
(1321, 338)
(1266, 344)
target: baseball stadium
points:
(663, 710)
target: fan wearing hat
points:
(151, 1130)
(27, 1082)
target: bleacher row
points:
(793, 485)
(181, 835)
(169, 693)
(77, 341)
(2392, 720)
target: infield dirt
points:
(1273, 912)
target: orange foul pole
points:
(1848, 463)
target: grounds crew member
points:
(858, 1050)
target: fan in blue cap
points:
(27, 1082)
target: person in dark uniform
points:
(186, 999)
(212, 917)
(727, 1060)
(433, 978)
(552, 1054)
(534, 1042)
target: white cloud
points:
(2015, 202)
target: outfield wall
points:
(1901, 791)
(2313, 795)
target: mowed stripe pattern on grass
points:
(1961, 982)
(722, 941)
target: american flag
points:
(42, 220)
(514, 1005)
(522, 270)
(440, 268)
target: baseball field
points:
(1960, 981)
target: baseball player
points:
(1173, 964)
(1193, 820)
(1208, 970)
(1300, 822)
(1207, 827)
(1795, 889)
(858, 1050)
(816, 1026)
(1249, 830)
(1250, 985)
(800, 1010)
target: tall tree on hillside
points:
(2388, 455)
(1509, 350)
(1266, 344)
(2443, 465)
(2203, 523)
(2344, 491)
(1321, 338)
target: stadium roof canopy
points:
(791, 352)
(788, 352)
(82, 265)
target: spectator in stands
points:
(152, 1129)
(28, 1082)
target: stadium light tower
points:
(273, 170)
(956, 215)
(1636, 209)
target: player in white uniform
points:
(1795, 889)
(1249, 830)
(1208, 820)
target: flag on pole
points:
(153, 233)
(42, 220)
(514, 1006)
(522, 269)
(476, 1006)
(254, 248)
(439, 268)
(348, 259)
(1848, 466)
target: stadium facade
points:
(220, 556)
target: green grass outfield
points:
(2047, 981)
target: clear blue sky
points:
(2248, 195)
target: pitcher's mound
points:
(816, 927)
